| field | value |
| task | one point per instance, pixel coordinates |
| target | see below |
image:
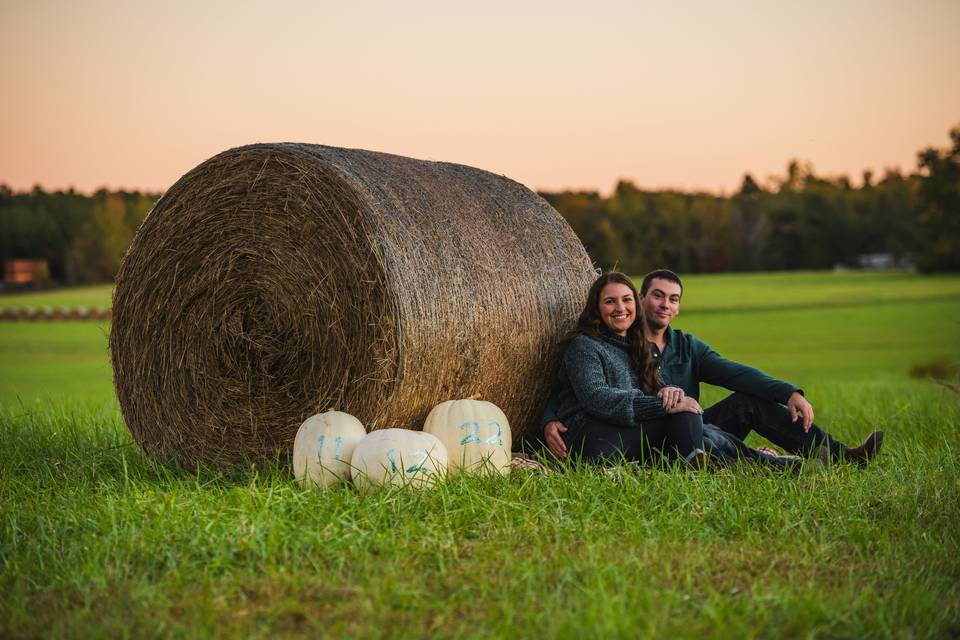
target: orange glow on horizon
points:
(555, 96)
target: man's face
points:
(661, 303)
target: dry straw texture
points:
(277, 280)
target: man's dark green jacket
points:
(686, 361)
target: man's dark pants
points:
(740, 413)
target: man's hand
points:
(686, 404)
(551, 434)
(670, 396)
(798, 404)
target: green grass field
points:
(92, 296)
(96, 540)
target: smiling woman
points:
(618, 307)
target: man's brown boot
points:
(867, 451)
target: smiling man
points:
(775, 409)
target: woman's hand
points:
(551, 435)
(687, 404)
(670, 396)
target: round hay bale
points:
(275, 281)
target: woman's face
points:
(618, 307)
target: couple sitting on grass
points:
(628, 387)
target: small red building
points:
(24, 274)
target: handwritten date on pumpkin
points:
(417, 467)
(337, 444)
(472, 427)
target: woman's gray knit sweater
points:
(597, 382)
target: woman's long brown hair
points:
(589, 324)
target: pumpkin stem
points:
(475, 396)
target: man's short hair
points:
(663, 274)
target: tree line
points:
(81, 237)
(798, 221)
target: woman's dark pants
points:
(675, 436)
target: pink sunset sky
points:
(553, 94)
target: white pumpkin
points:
(400, 457)
(324, 446)
(475, 432)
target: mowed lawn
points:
(91, 296)
(46, 363)
(96, 540)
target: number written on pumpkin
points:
(473, 433)
(337, 444)
(419, 466)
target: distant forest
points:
(798, 221)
